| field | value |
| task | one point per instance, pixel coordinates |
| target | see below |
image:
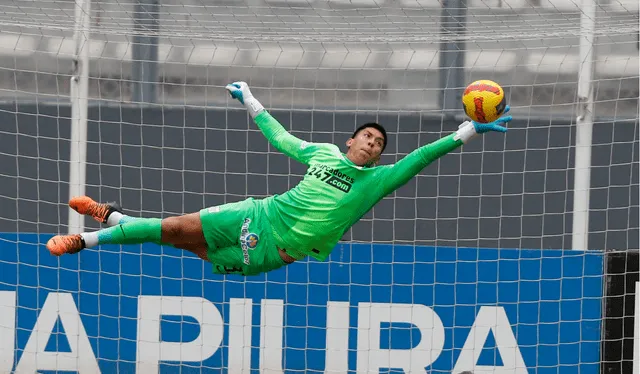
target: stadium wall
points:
(369, 308)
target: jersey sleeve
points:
(296, 148)
(398, 174)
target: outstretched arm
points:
(275, 133)
(402, 171)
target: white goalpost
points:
(584, 127)
(79, 98)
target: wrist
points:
(466, 131)
(253, 106)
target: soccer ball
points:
(484, 101)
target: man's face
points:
(365, 148)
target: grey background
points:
(317, 53)
(512, 191)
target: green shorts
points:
(239, 239)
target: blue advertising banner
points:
(369, 308)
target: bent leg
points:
(144, 230)
(183, 230)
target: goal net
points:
(468, 268)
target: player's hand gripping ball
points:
(484, 101)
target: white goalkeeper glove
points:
(241, 92)
(469, 129)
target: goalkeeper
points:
(255, 236)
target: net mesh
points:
(312, 53)
(322, 68)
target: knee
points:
(182, 229)
(172, 230)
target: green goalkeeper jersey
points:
(335, 193)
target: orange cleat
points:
(87, 206)
(61, 244)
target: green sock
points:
(143, 230)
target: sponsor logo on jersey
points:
(213, 209)
(252, 241)
(332, 176)
(248, 240)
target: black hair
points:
(376, 126)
